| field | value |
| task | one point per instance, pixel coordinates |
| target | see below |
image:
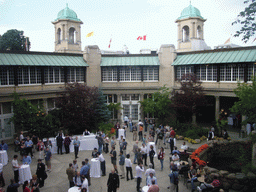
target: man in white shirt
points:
(149, 170)
(84, 184)
(184, 146)
(86, 132)
(21, 136)
(102, 163)
(15, 167)
(140, 123)
(176, 159)
(150, 178)
(144, 152)
(128, 166)
(78, 180)
(139, 171)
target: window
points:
(185, 34)
(125, 97)
(112, 99)
(135, 112)
(72, 35)
(207, 73)
(7, 128)
(54, 75)
(251, 72)
(180, 71)
(29, 75)
(75, 74)
(130, 74)
(6, 76)
(199, 32)
(59, 36)
(150, 74)
(109, 73)
(231, 73)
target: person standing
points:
(130, 124)
(48, 156)
(26, 159)
(29, 146)
(135, 151)
(100, 142)
(150, 178)
(146, 124)
(139, 171)
(117, 127)
(102, 163)
(1, 175)
(76, 144)
(85, 184)
(113, 181)
(144, 152)
(26, 187)
(113, 158)
(124, 147)
(21, 136)
(106, 140)
(148, 171)
(40, 146)
(59, 143)
(121, 164)
(87, 175)
(134, 132)
(15, 167)
(140, 132)
(174, 179)
(71, 173)
(171, 142)
(67, 142)
(161, 157)
(128, 165)
(78, 180)
(152, 155)
(40, 172)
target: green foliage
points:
(14, 40)
(158, 104)
(249, 168)
(192, 134)
(106, 128)
(28, 117)
(246, 19)
(247, 101)
(102, 109)
(231, 156)
(114, 106)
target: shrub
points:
(191, 134)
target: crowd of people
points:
(143, 156)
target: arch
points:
(72, 35)
(59, 36)
(199, 32)
(185, 33)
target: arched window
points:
(185, 33)
(59, 35)
(199, 32)
(72, 35)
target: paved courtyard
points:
(57, 180)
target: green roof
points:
(189, 12)
(130, 61)
(218, 57)
(67, 14)
(41, 60)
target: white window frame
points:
(251, 73)
(179, 71)
(109, 74)
(75, 77)
(208, 69)
(155, 73)
(9, 74)
(60, 74)
(127, 74)
(232, 67)
(21, 73)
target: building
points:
(124, 78)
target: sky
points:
(123, 20)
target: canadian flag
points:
(142, 38)
(109, 42)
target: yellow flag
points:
(90, 34)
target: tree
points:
(247, 19)
(14, 40)
(189, 97)
(29, 117)
(82, 107)
(247, 101)
(158, 104)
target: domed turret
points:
(189, 12)
(67, 31)
(67, 13)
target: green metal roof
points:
(130, 61)
(41, 60)
(190, 11)
(233, 56)
(67, 14)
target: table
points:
(121, 133)
(74, 189)
(154, 147)
(88, 144)
(3, 157)
(88, 137)
(24, 174)
(145, 189)
(95, 168)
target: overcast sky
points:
(125, 20)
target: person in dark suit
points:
(113, 181)
(40, 172)
(59, 143)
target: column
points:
(45, 105)
(141, 113)
(119, 112)
(217, 107)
